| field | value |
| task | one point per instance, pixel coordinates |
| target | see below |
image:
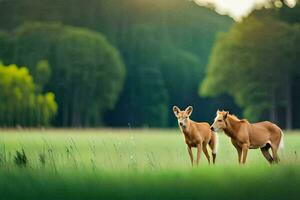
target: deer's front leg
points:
(239, 151)
(191, 154)
(199, 148)
(245, 148)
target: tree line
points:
(163, 45)
(126, 63)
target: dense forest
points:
(164, 46)
(126, 63)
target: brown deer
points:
(196, 134)
(244, 135)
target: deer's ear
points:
(176, 110)
(226, 114)
(189, 110)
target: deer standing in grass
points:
(196, 134)
(244, 135)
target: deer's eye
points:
(219, 120)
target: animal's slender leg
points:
(214, 157)
(245, 152)
(204, 148)
(191, 154)
(239, 151)
(212, 146)
(274, 153)
(199, 147)
(265, 152)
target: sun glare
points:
(239, 8)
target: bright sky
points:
(237, 8)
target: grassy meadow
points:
(137, 164)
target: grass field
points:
(137, 164)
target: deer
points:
(196, 135)
(245, 135)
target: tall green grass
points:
(137, 164)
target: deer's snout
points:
(180, 124)
(212, 128)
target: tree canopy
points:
(87, 72)
(255, 63)
(20, 104)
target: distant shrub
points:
(42, 159)
(20, 102)
(20, 158)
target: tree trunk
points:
(289, 105)
(65, 113)
(75, 116)
(273, 113)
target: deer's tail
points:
(281, 143)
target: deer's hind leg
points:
(204, 148)
(274, 149)
(266, 154)
(214, 155)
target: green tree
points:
(87, 72)
(252, 63)
(144, 99)
(181, 71)
(42, 74)
(19, 102)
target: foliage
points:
(145, 87)
(20, 158)
(148, 34)
(42, 73)
(19, 102)
(87, 72)
(182, 74)
(162, 40)
(253, 62)
(5, 47)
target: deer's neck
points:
(187, 129)
(232, 128)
